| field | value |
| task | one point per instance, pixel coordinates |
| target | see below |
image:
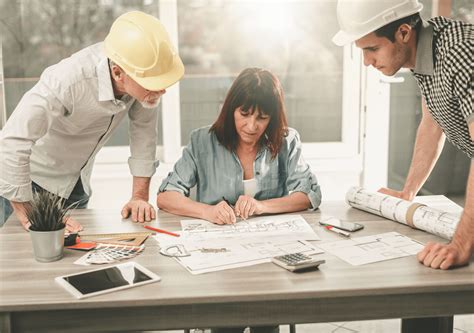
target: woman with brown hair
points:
(247, 163)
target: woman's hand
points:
(247, 206)
(221, 213)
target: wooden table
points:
(31, 301)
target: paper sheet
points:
(234, 252)
(414, 214)
(294, 226)
(375, 248)
(254, 241)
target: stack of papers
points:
(215, 247)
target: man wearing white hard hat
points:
(50, 141)
(440, 54)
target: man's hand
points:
(20, 211)
(25, 224)
(221, 213)
(444, 256)
(72, 225)
(139, 209)
(397, 194)
(19, 208)
(247, 206)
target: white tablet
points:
(107, 279)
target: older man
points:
(50, 141)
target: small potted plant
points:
(47, 214)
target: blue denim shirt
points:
(217, 172)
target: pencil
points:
(161, 231)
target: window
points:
(3, 113)
(217, 39)
(38, 34)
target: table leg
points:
(292, 328)
(5, 322)
(428, 325)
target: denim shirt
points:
(217, 172)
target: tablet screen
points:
(107, 278)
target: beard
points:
(150, 103)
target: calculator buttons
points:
(296, 261)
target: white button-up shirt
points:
(59, 125)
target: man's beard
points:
(150, 105)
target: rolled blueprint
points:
(414, 214)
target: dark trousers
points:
(256, 329)
(78, 198)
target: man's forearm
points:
(141, 188)
(428, 146)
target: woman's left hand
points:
(247, 206)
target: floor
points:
(462, 324)
(120, 187)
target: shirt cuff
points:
(313, 193)
(315, 197)
(167, 185)
(170, 187)
(142, 168)
(21, 193)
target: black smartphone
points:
(347, 226)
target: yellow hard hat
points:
(140, 45)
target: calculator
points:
(297, 261)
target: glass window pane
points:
(462, 10)
(2, 95)
(38, 34)
(218, 39)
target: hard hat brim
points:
(343, 38)
(163, 81)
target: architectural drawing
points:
(291, 225)
(218, 254)
(375, 248)
(414, 214)
(215, 247)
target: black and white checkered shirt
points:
(444, 72)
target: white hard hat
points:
(358, 18)
(140, 45)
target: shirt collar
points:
(424, 50)
(106, 91)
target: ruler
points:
(126, 238)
